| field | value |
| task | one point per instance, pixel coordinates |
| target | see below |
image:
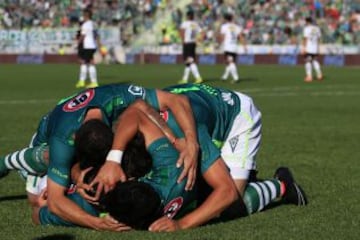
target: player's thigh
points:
(243, 142)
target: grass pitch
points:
(311, 127)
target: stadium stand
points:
(264, 21)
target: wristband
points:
(115, 156)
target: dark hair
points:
(87, 11)
(190, 14)
(93, 141)
(88, 178)
(136, 161)
(308, 20)
(134, 203)
(228, 17)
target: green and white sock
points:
(31, 160)
(260, 194)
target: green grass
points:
(312, 128)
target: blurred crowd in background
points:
(263, 21)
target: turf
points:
(311, 127)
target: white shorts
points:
(243, 142)
(35, 184)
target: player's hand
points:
(108, 223)
(82, 188)
(164, 224)
(188, 159)
(42, 199)
(110, 173)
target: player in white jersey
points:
(189, 31)
(89, 40)
(230, 34)
(311, 41)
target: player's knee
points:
(189, 60)
(230, 59)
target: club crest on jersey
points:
(172, 208)
(136, 90)
(79, 101)
(165, 115)
(233, 142)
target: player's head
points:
(93, 141)
(308, 20)
(87, 13)
(134, 203)
(190, 15)
(228, 17)
(136, 161)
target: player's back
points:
(230, 32)
(88, 30)
(214, 107)
(191, 30)
(112, 100)
(312, 34)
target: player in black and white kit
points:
(230, 34)
(189, 30)
(87, 43)
(311, 40)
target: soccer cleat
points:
(182, 81)
(294, 194)
(235, 81)
(92, 85)
(199, 80)
(308, 79)
(320, 77)
(80, 84)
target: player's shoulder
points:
(184, 24)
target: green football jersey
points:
(67, 117)
(216, 108)
(164, 173)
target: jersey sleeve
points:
(305, 33)
(222, 29)
(183, 25)
(61, 159)
(48, 218)
(209, 153)
(151, 98)
(85, 28)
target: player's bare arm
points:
(63, 207)
(156, 118)
(180, 107)
(219, 179)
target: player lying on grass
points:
(255, 199)
(162, 178)
(164, 171)
(57, 130)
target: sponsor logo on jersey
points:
(173, 207)
(233, 142)
(165, 115)
(136, 90)
(79, 101)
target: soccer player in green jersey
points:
(164, 173)
(257, 195)
(57, 130)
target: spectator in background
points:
(88, 39)
(230, 34)
(189, 31)
(311, 41)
